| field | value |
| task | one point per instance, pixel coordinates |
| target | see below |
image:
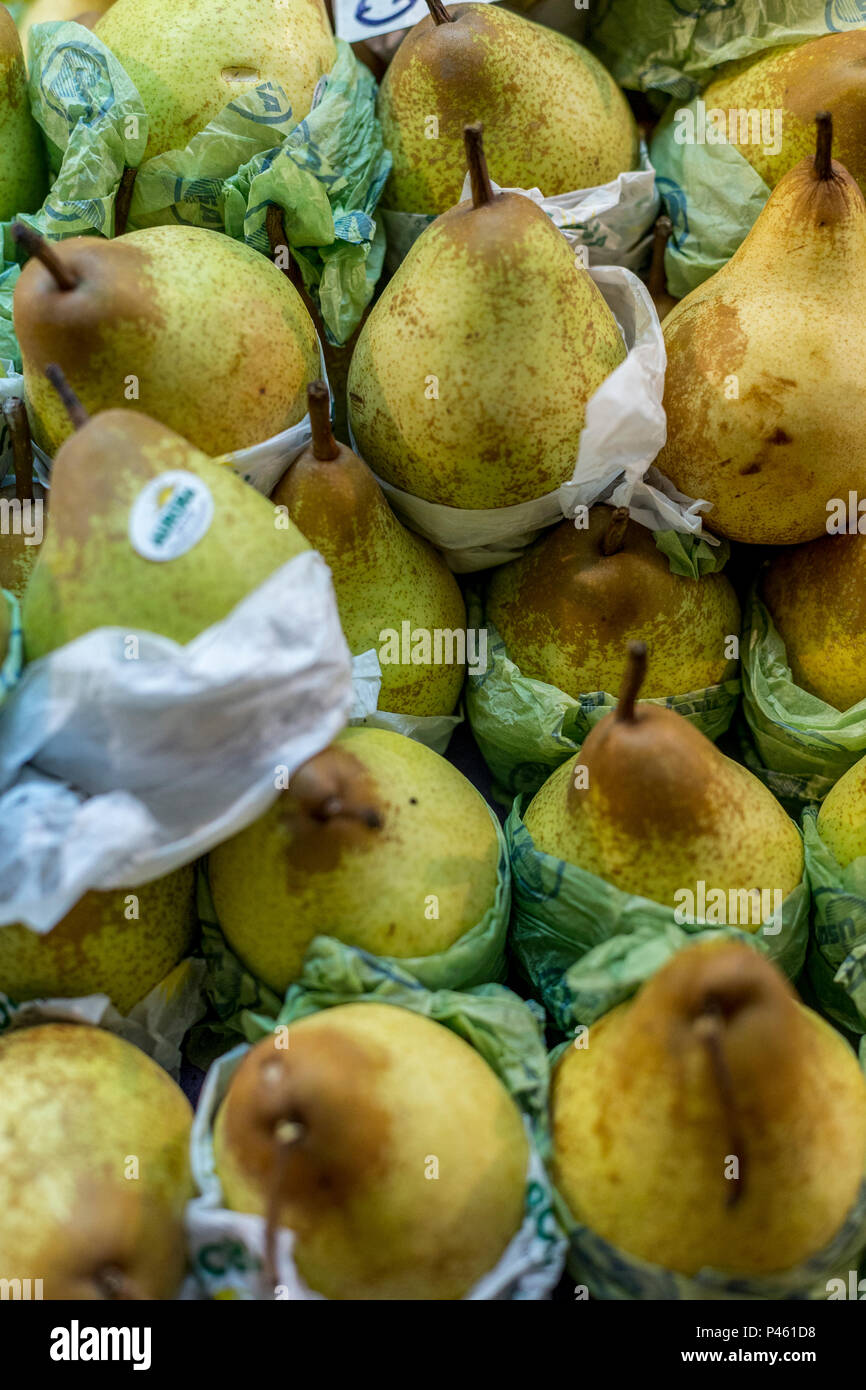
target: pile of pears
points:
(711, 1126)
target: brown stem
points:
(334, 806)
(482, 189)
(287, 1134)
(710, 1029)
(657, 283)
(824, 145)
(275, 225)
(614, 537)
(439, 12)
(74, 409)
(325, 794)
(36, 245)
(634, 678)
(325, 445)
(15, 415)
(117, 1287)
(123, 201)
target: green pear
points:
(464, 63)
(384, 576)
(191, 327)
(470, 379)
(567, 607)
(369, 839)
(23, 171)
(338, 1132)
(190, 58)
(712, 1121)
(94, 1166)
(92, 573)
(656, 809)
(823, 74)
(19, 544)
(816, 595)
(842, 817)
(85, 12)
(119, 943)
(765, 413)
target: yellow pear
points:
(94, 1166)
(712, 1121)
(85, 12)
(23, 172)
(370, 836)
(336, 1136)
(765, 412)
(118, 943)
(653, 807)
(842, 817)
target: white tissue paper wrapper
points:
(227, 1247)
(114, 772)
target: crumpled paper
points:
(836, 964)
(13, 663)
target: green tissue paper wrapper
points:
(326, 172)
(13, 663)
(586, 946)
(836, 964)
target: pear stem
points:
(15, 415)
(325, 447)
(657, 282)
(74, 409)
(115, 1286)
(36, 245)
(482, 188)
(709, 1026)
(318, 796)
(634, 678)
(439, 12)
(287, 1133)
(123, 200)
(824, 146)
(614, 537)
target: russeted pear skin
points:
(653, 1172)
(383, 574)
(763, 393)
(120, 943)
(23, 171)
(377, 1092)
(842, 817)
(489, 65)
(658, 810)
(823, 74)
(296, 873)
(566, 611)
(77, 1106)
(470, 379)
(190, 58)
(816, 595)
(89, 575)
(199, 331)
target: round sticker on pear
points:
(170, 515)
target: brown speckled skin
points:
(664, 809)
(641, 1134)
(218, 338)
(76, 1103)
(553, 116)
(383, 574)
(816, 595)
(785, 317)
(491, 302)
(23, 173)
(567, 612)
(842, 818)
(96, 950)
(824, 74)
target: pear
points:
(334, 1137)
(816, 594)
(470, 379)
(658, 809)
(765, 412)
(19, 550)
(163, 578)
(85, 12)
(842, 817)
(366, 836)
(799, 79)
(94, 1165)
(23, 170)
(569, 604)
(197, 330)
(190, 59)
(464, 63)
(119, 943)
(383, 575)
(5, 630)
(737, 1140)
